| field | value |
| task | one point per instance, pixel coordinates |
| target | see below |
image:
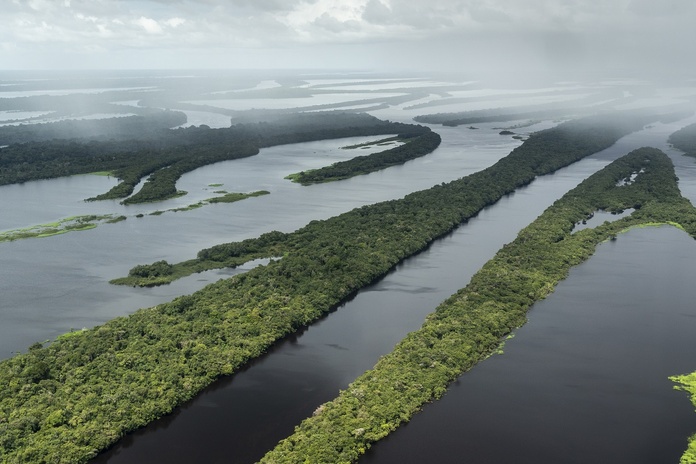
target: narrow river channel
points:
(586, 379)
(237, 419)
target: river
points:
(586, 379)
(252, 410)
(54, 284)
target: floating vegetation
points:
(227, 197)
(687, 383)
(62, 226)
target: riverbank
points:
(158, 358)
(470, 325)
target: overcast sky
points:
(451, 35)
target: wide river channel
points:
(582, 382)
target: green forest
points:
(165, 155)
(66, 401)
(414, 147)
(685, 140)
(470, 325)
(544, 152)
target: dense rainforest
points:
(414, 147)
(150, 124)
(512, 114)
(542, 153)
(167, 154)
(470, 325)
(67, 401)
(687, 383)
(481, 116)
(685, 140)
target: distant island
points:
(79, 394)
(414, 147)
(164, 156)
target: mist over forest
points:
(375, 231)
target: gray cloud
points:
(100, 33)
(376, 12)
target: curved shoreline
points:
(157, 358)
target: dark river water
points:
(51, 285)
(586, 379)
(238, 419)
(544, 400)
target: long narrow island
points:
(469, 326)
(66, 401)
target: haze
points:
(488, 37)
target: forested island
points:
(90, 221)
(150, 124)
(497, 115)
(81, 393)
(165, 155)
(685, 140)
(71, 224)
(414, 147)
(470, 325)
(543, 153)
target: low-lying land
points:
(544, 152)
(470, 325)
(67, 401)
(687, 383)
(169, 154)
(62, 226)
(387, 141)
(415, 147)
(685, 140)
(86, 222)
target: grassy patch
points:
(687, 383)
(232, 197)
(70, 224)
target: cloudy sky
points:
(447, 35)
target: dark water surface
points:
(586, 379)
(238, 419)
(54, 284)
(51, 285)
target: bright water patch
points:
(241, 104)
(600, 217)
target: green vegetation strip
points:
(62, 226)
(227, 197)
(544, 152)
(685, 140)
(67, 401)
(687, 383)
(469, 326)
(414, 148)
(163, 156)
(77, 223)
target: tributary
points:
(238, 419)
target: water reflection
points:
(586, 380)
